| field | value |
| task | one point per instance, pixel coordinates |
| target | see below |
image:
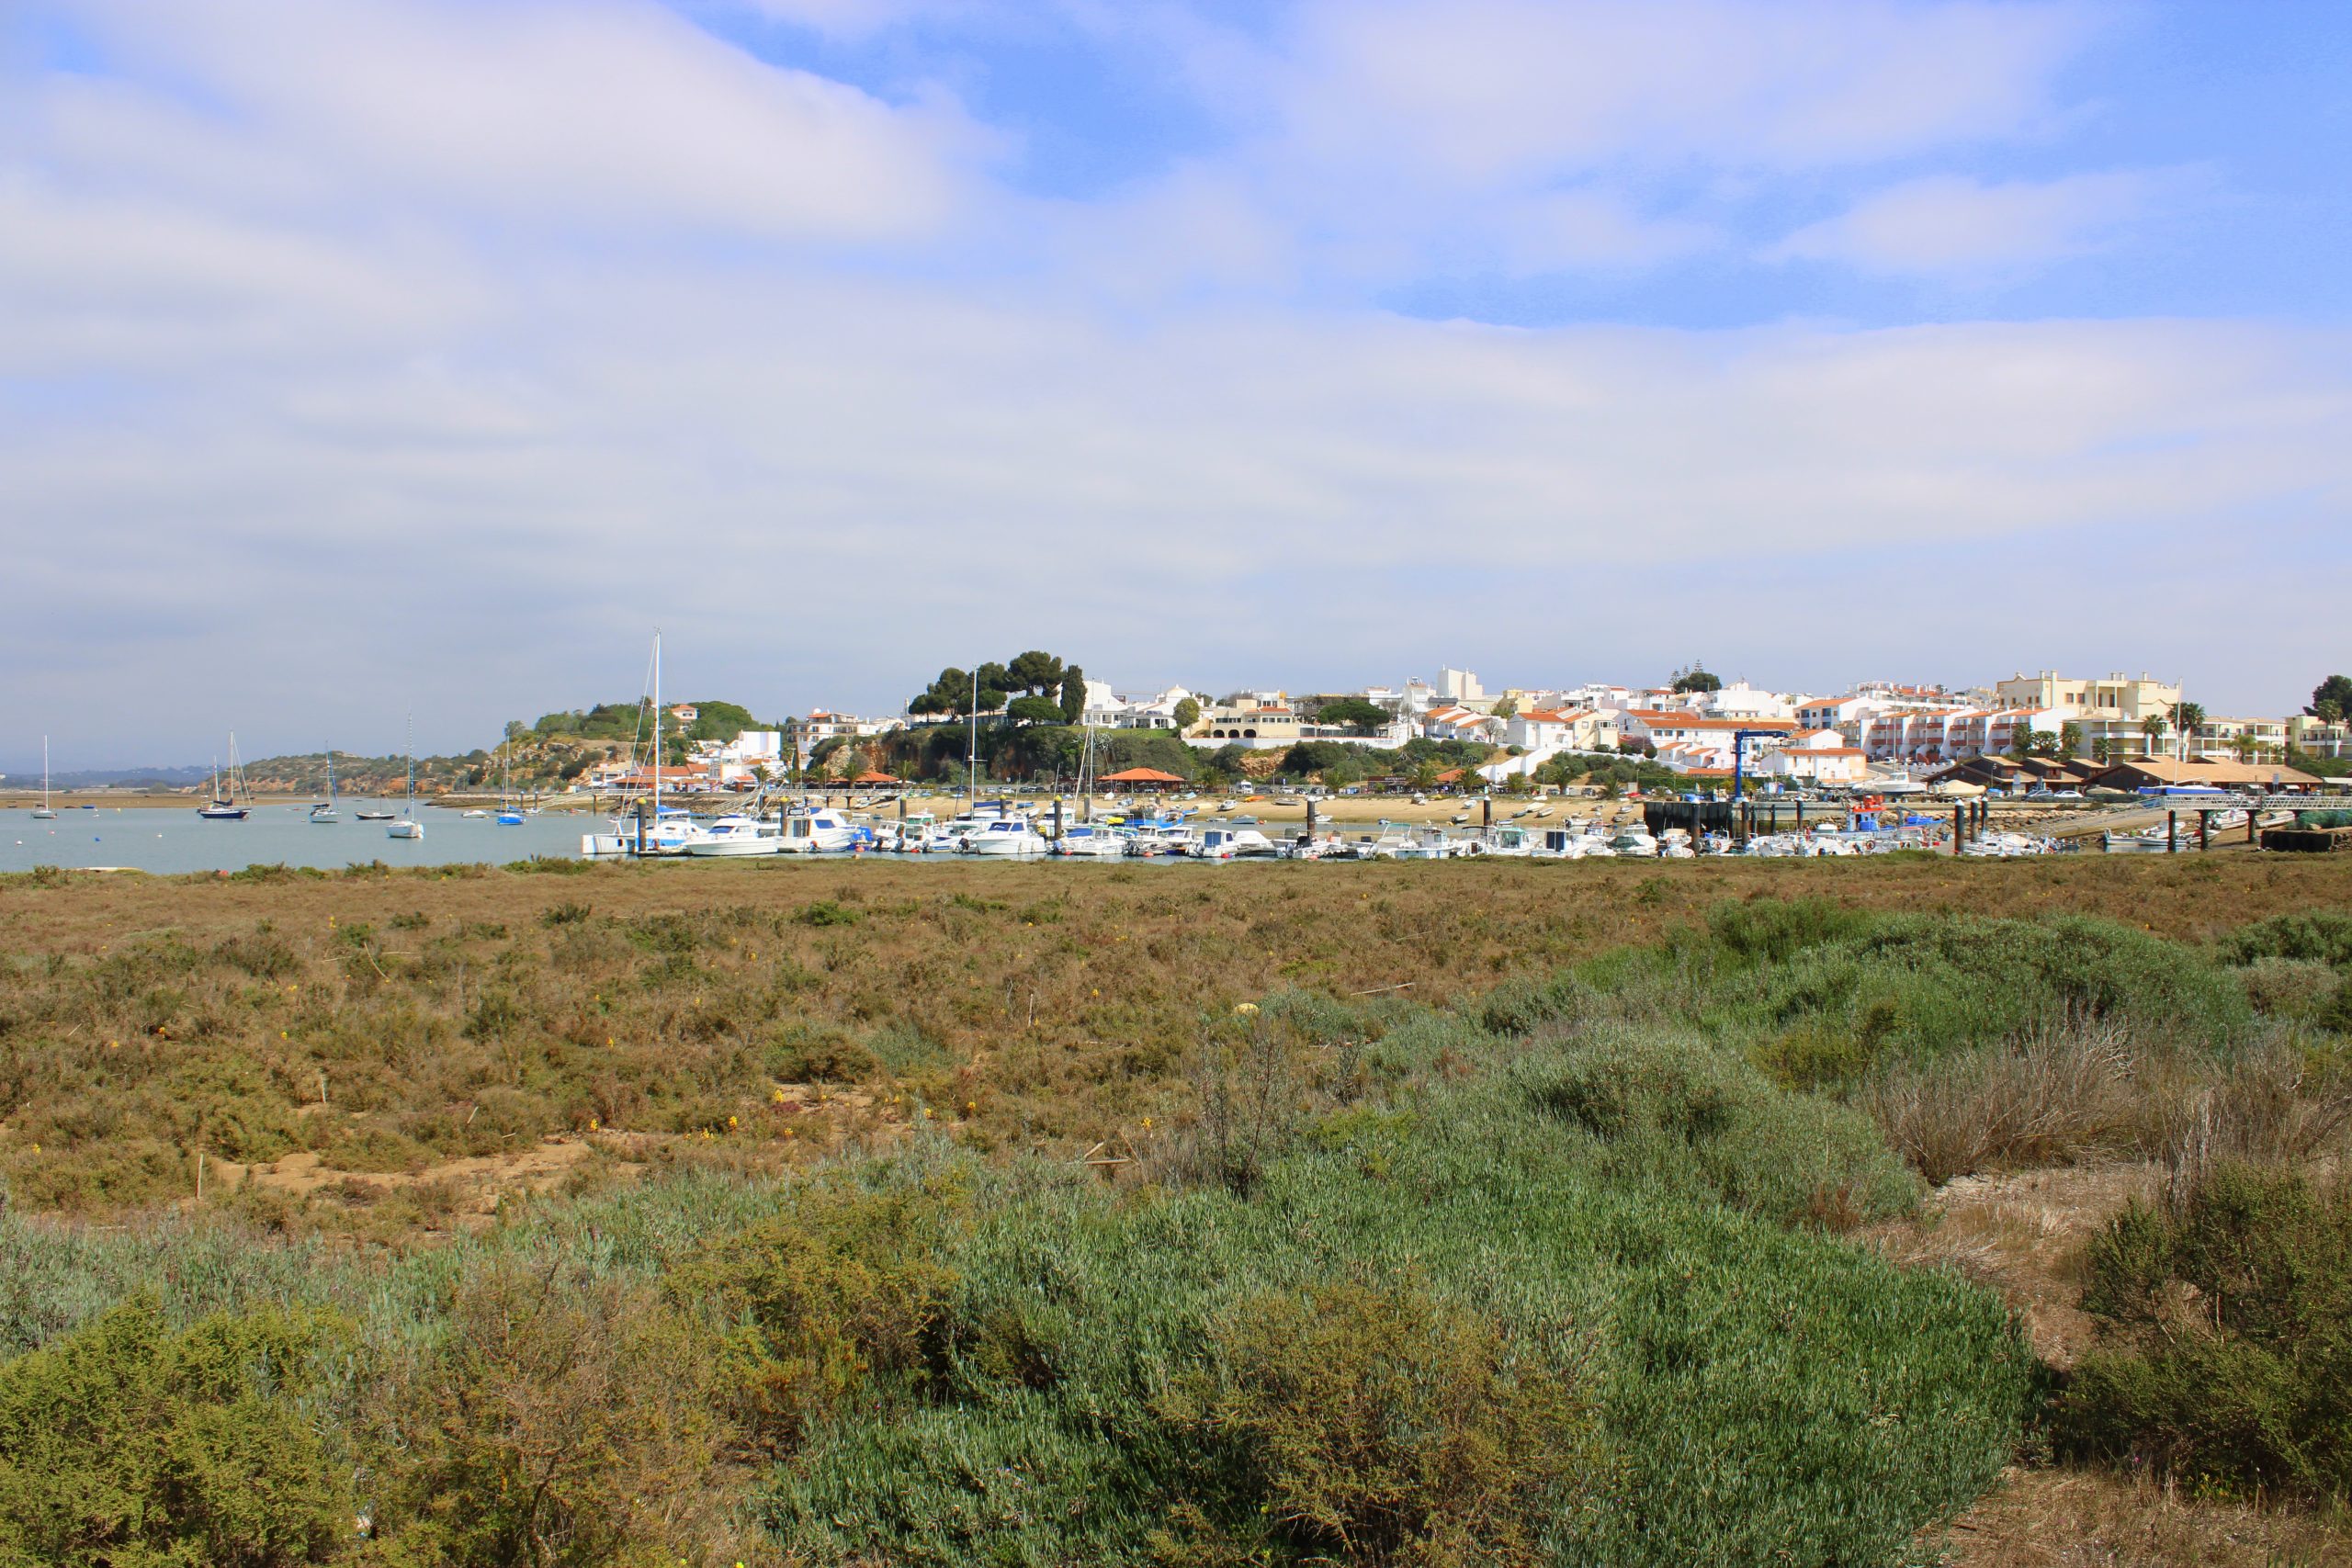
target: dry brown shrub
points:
(2046, 1099)
(2270, 1110)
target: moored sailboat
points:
(44, 812)
(225, 808)
(325, 810)
(408, 827)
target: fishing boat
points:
(225, 808)
(44, 812)
(325, 810)
(408, 827)
(1507, 839)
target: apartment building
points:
(2122, 697)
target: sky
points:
(363, 357)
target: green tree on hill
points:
(1073, 703)
(1697, 679)
(1365, 718)
(2332, 699)
(1188, 714)
(1034, 710)
(1035, 672)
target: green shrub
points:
(840, 1293)
(2320, 936)
(562, 1418)
(1679, 1109)
(131, 1443)
(2225, 1357)
(1382, 1424)
(805, 1052)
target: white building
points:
(1452, 721)
(1742, 701)
(1821, 756)
(1553, 730)
(1462, 685)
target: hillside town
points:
(2046, 729)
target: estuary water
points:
(174, 838)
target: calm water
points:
(174, 838)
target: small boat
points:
(371, 816)
(44, 812)
(408, 827)
(325, 810)
(476, 811)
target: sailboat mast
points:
(972, 759)
(44, 772)
(657, 727)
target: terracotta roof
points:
(1693, 721)
(1141, 775)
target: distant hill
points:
(549, 754)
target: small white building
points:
(1553, 729)
(1821, 756)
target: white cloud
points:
(1401, 139)
(303, 349)
(1495, 90)
(1951, 224)
(610, 111)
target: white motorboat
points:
(817, 832)
(1634, 840)
(1227, 843)
(1006, 835)
(1091, 839)
(736, 835)
(1224, 842)
(1507, 840)
(1151, 839)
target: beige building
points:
(2117, 696)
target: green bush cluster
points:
(133, 1444)
(2226, 1354)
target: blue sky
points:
(358, 355)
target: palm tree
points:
(2153, 728)
(2188, 718)
(2244, 745)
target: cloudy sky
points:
(364, 355)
